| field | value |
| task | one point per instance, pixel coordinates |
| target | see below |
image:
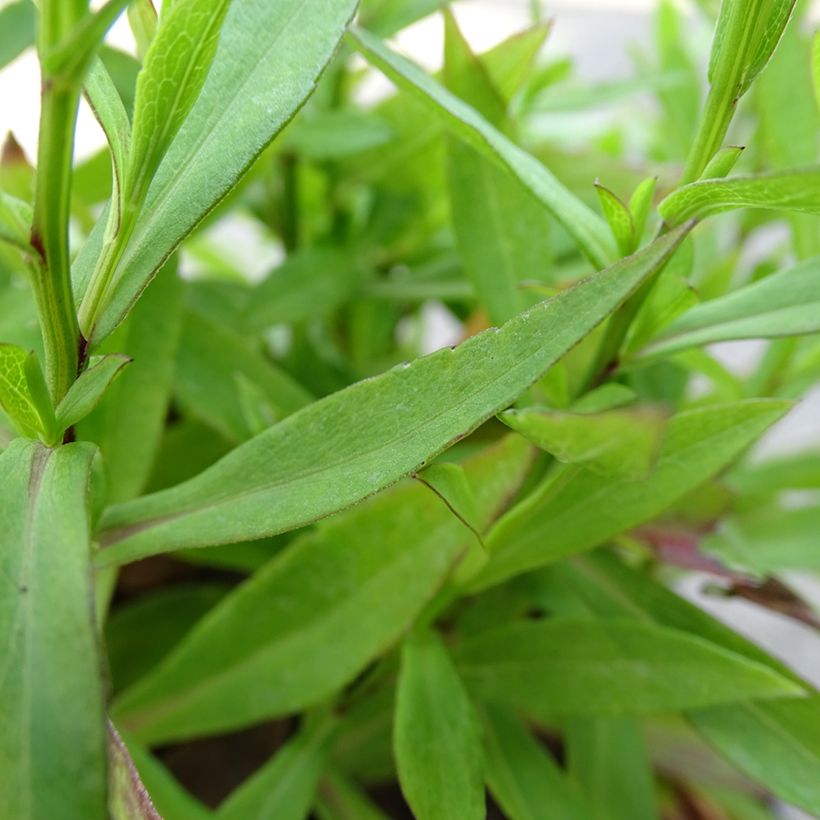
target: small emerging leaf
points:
(619, 218)
(21, 393)
(722, 162)
(84, 395)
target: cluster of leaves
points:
(452, 573)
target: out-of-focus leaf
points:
(333, 135)
(15, 222)
(309, 283)
(622, 443)
(217, 371)
(582, 224)
(386, 17)
(510, 62)
(18, 21)
(609, 760)
(384, 428)
(437, 736)
(640, 204)
(53, 746)
(283, 789)
(556, 520)
(312, 619)
(783, 304)
(340, 799)
(797, 191)
(521, 774)
(597, 668)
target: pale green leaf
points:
(16, 397)
(223, 133)
(640, 204)
(583, 667)
(777, 743)
(783, 304)
(620, 443)
(583, 225)
(53, 746)
(15, 222)
(796, 190)
(128, 799)
(142, 18)
(384, 428)
(437, 741)
(450, 483)
(609, 759)
(619, 218)
(722, 162)
(361, 578)
(510, 63)
(283, 789)
(18, 21)
(556, 520)
(522, 775)
(386, 17)
(84, 395)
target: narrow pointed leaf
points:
(15, 222)
(384, 428)
(437, 736)
(722, 163)
(619, 218)
(583, 667)
(622, 443)
(522, 775)
(582, 224)
(16, 396)
(640, 204)
(223, 133)
(53, 744)
(285, 639)
(84, 395)
(797, 190)
(555, 521)
(283, 789)
(783, 304)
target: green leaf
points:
(15, 222)
(284, 787)
(510, 62)
(27, 406)
(619, 218)
(128, 423)
(224, 132)
(52, 747)
(608, 758)
(386, 17)
(795, 190)
(783, 304)
(128, 799)
(640, 204)
(746, 36)
(437, 736)
(309, 283)
(217, 372)
(142, 18)
(815, 67)
(84, 395)
(340, 799)
(722, 162)
(618, 443)
(316, 615)
(583, 667)
(170, 799)
(777, 743)
(18, 21)
(450, 483)
(555, 520)
(384, 428)
(521, 774)
(581, 223)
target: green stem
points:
(714, 124)
(49, 237)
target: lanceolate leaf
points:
(383, 428)
(783, 304)
(316, 615)
(15, 222)
(797, 190)
(21, 396)
(224, 131)
(557, 519)
(283, 788)
(583, 225)
(583, 667)
(53, 745)
(86, 392)
(437, 736)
